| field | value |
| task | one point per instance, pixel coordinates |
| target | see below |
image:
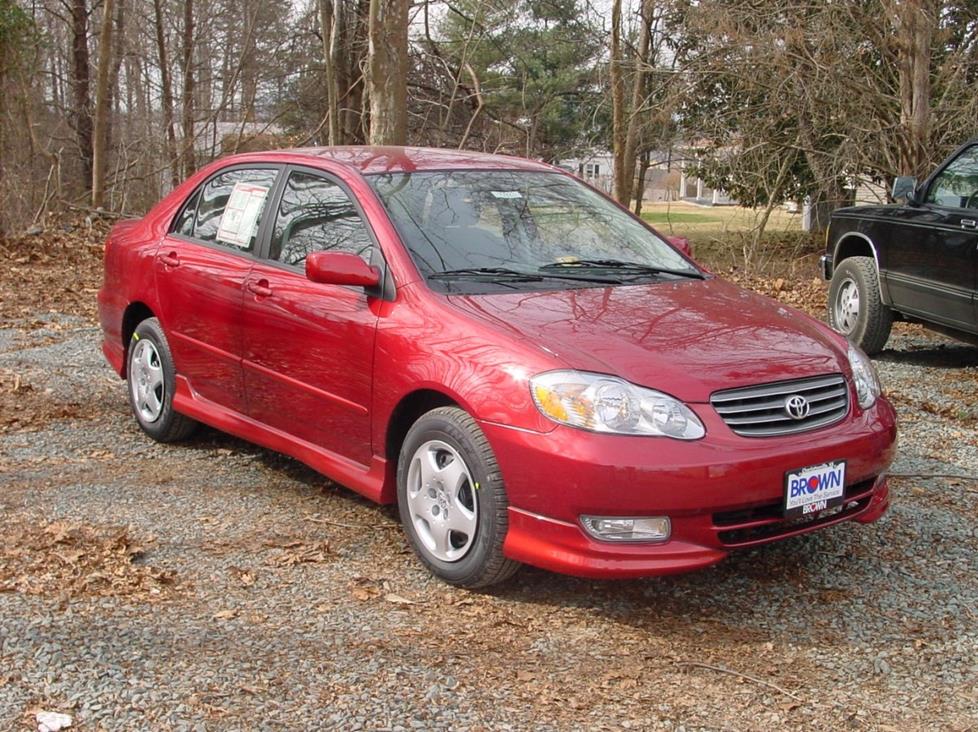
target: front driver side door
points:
(309, 347)
(933, 266)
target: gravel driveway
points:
(216, 585)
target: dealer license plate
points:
(809, 491)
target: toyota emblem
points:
(797, 407)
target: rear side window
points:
(316, 215)
(185, 221)
(230, 207)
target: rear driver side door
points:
(309, 347)
(201, 268)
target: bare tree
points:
(329, 31)
(387, 69)
(187, 156)
(81, 87)
(618, 112)
(103, 95)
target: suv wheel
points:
(451, 499)
(856, 307)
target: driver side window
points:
(957, 185)
(316, 215)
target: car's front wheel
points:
(452, 501)
(152, 382)
(856, 307)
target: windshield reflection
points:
(521, 221)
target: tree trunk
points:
(387, 68)
(617, 107)
(915, 22)
(80, 83)
(635, 119)
(102, 100)
(187, 154)
(118, 55)
(643, 167)
(328, 28)
(169, 135)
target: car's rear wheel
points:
(856, 306)
(152, 382)
(452, 501)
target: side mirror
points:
(904, 189)
(340, 268)
(682, 244)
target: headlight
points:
(864, 377)
(607, 404)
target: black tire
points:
(868, 324)
(483, 563)
(168, 425)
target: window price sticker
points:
(240, 217)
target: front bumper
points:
(721, 493)
(825, 266)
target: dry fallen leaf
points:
(398, 600)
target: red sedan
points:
(532, 373)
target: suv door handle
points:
(260, 288)
(170, 259)
(969, 224)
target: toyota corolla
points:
(530, 372)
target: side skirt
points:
(369, 482)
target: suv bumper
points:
(825, 266)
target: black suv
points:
(916, 259)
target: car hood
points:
(687, 338)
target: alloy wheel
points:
(441, 501)
(146, 380)
(847, 306)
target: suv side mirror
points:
(904, 189)
(340, 268)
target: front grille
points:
(759, 411)
(766, 522)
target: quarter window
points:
(230, 207)
(957, 184)
(185, 222)
(316, 215)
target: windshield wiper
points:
(621, 265)
(503, 273)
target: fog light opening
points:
(628, 528)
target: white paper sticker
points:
(506, 194)
(241, 214)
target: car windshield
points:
(483, 230)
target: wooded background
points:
(109, 103)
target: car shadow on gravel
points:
(943, 355)
(751, 595)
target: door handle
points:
(260, 288)
(969, 224)
(170, 260)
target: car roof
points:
(373, 159)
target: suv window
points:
(316, 215)
(230, 207)
(957, 184)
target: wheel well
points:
(135, 314)
(407, 412)
(853, 246)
